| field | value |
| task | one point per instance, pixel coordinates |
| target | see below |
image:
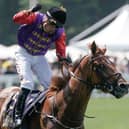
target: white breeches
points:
(27, 64)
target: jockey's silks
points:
(34, 39)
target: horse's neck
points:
(71, 101)
(77, 93)
(75, 106)
(77, 98)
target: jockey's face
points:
(49, 26)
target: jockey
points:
(37, 32)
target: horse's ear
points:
(93, 48)
(104, 50)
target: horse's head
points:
(104, 73)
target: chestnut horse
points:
(67, 98)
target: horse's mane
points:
(59, 82)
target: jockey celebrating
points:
(38, 31)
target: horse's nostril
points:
(122, 85)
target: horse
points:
(67, 98)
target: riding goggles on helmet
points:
(53, 21)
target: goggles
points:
(53, 21)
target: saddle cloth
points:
(33, 101)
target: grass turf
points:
(110, 113)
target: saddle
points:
(32, 103)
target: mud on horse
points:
(66, 100)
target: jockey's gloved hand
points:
(65, 60)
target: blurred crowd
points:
(123, 67)
(7, 66)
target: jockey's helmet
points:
(57, 15)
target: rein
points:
(76, 77)
(106, 84)
(52, 118)
(55, 120)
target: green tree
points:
(81, 14)
(7, 28)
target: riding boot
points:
(20, 106)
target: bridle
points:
(105, 84)
(115, 86)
